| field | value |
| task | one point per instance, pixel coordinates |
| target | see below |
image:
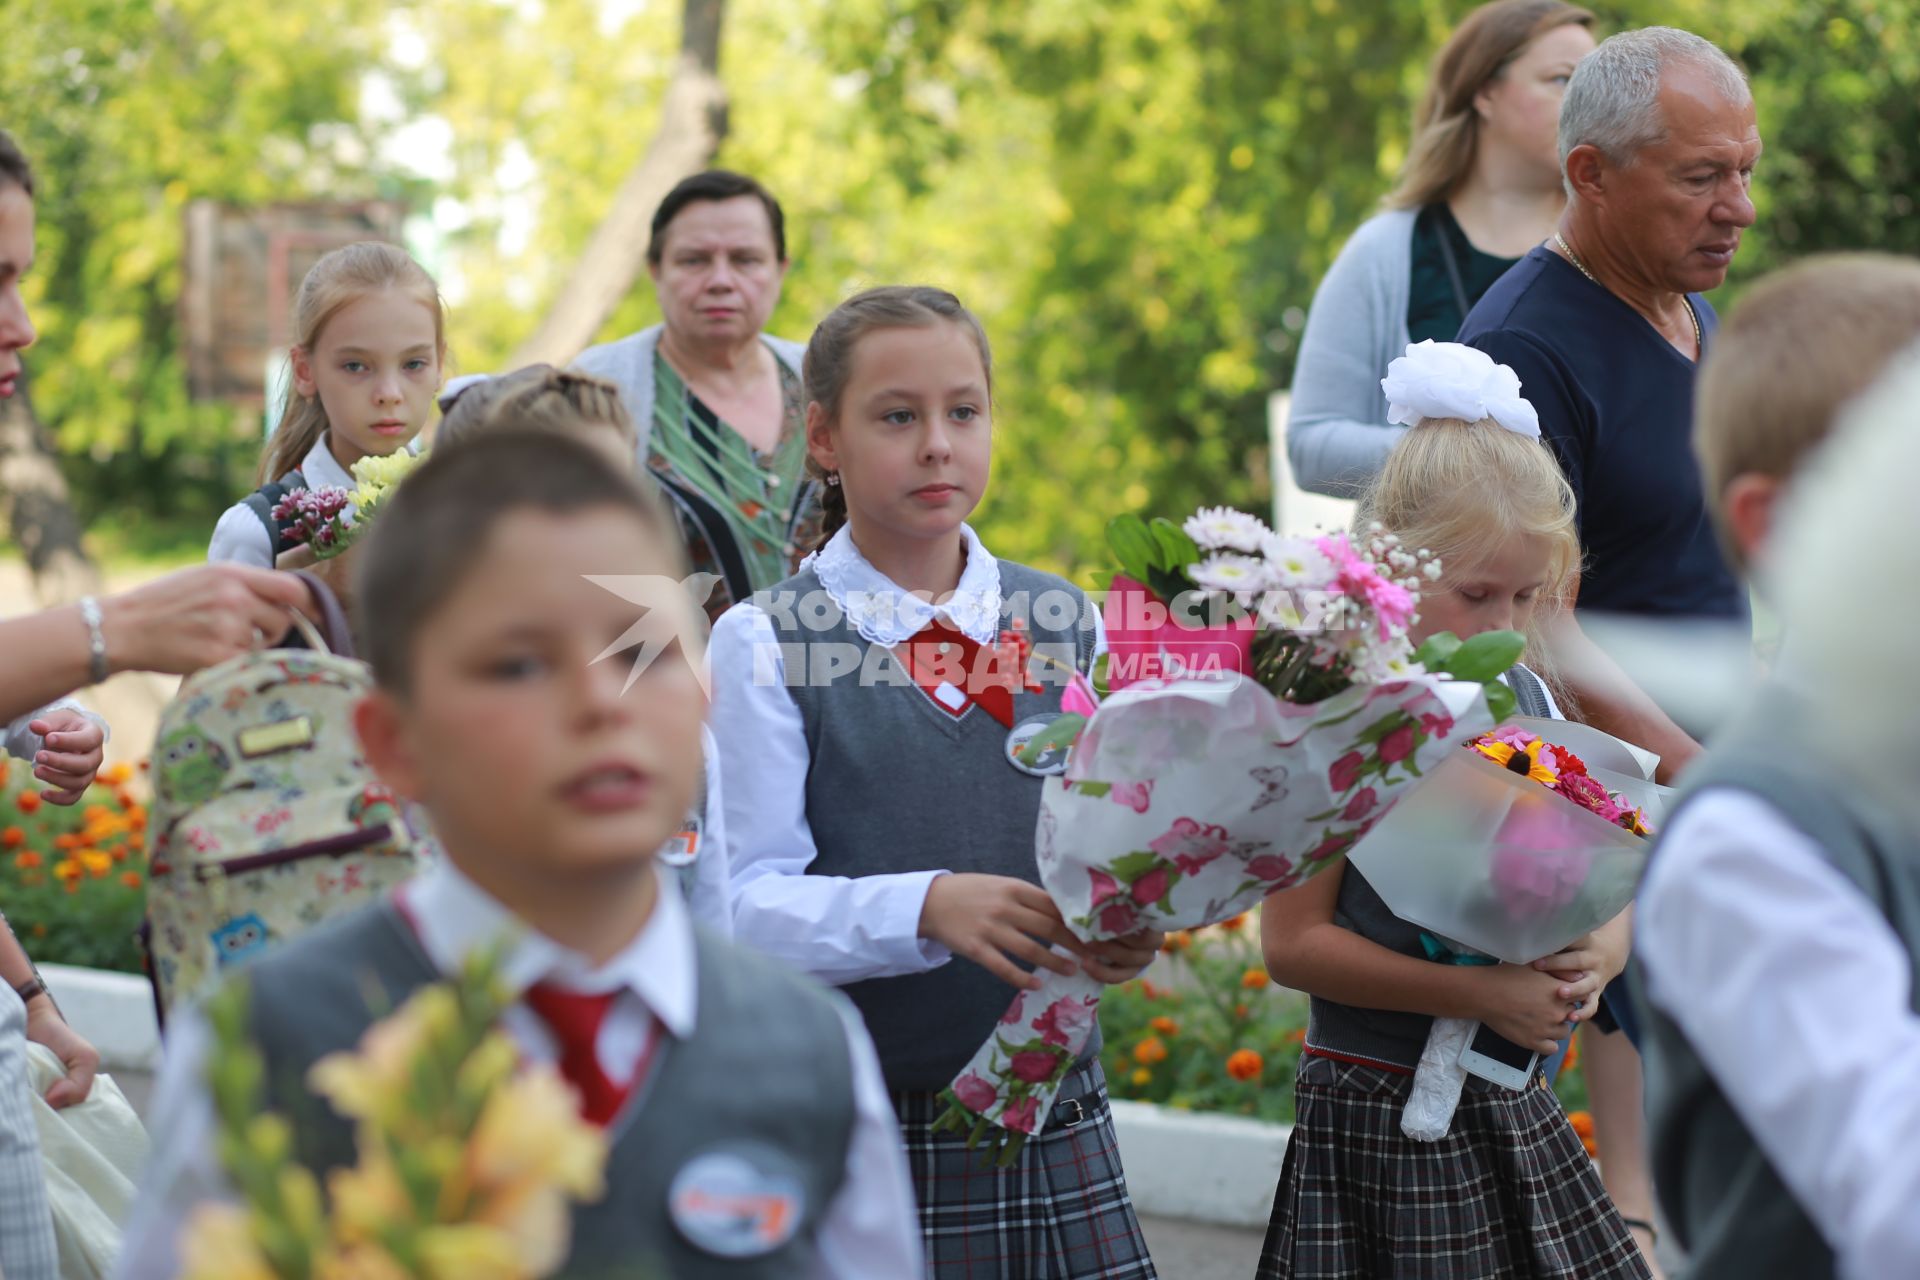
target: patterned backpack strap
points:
(1529, 692)
(263, 500)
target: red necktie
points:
(575, 1018)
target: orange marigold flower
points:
(1582, 1123)
(120, 853)
(1298, 1035)
(66, 840)
(39, 930)
(29, 801)
(124, 799)
(1233, 923)
(69, 870)
(137, 820)
(97, 863)
(1573, 1055)
(131, 879)
(26, 860)
(95, 812)
(1142, 1077)
(1245, 1064)
(146, 766)
(1177, 942)
(1165, 1026)
(1148, 990)
(1150, 1051)
(4, 771)
(1239, 1011)
(13, 837)
(1254, 979)
(115, 774)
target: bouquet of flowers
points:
(325, 521)
(467, 1160)
(1512, 848)
(1265, 707)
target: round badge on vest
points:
(741, 1202)
(1054, 761)
(685, 845)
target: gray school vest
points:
(763, 1087)
(1386, 1035)
(895, 784)
(1723, 1200)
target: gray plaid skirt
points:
(1509, 1192)
(1061, 1212)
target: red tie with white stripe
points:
(575, 1018)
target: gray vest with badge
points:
(1387, 1035)
(895, 783)
(723, 1164)
(1728, 1206)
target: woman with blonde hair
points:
(1481, 186)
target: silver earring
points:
(833, 479)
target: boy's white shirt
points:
(839, 929)
(240, 537)
(869, 1232)
(1797, 995)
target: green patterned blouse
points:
(747, 516)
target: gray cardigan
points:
(1338, 436)
(628, 364)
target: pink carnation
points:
(1589, 795)
(1118, 920)
(1033, 1065)
(1135, 795)
(1151, 887)
(1270, 867)
(975, 1094)
(1398, 745)
(1065, 1023)
(1191, 846)
(1021, 1116)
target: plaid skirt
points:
(1509, 1192)
(1061, 1212)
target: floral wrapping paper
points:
(1183, 804)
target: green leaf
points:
(1486, 655)
(1437, 651)
(1130, 867)
(1063, 732)
(1500, 700)
(1177, 549)
(1168, 584)
(1133, 546)
(1099, 677)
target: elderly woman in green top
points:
(717, 402)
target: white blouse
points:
(240, 537)
(839, 929)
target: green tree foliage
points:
(1138, 198)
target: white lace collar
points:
(885, 615)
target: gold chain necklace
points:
(1574, 258)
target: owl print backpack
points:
(266, 820)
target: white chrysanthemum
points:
(1224, 529)
(1297, 564)
(1240, 576)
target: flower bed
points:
(1207, 1030)
(73, 878)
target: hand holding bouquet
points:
(1512, 848)
(1267, 708)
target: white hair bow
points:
(1452, 380)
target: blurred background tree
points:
(1137, 197)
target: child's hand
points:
(1595, 952)
(1523, 1005)
(70, 754)
(1122, 959)
(988, 919)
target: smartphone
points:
(1500, 1060)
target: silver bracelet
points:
(96, 641)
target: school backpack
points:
(266, 819)
(263, 500)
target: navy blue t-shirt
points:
(1616, 404)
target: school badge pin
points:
(1053, 761)
(737, 1203)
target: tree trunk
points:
(693, 120)
(33, 495)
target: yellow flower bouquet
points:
(467, 1160)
